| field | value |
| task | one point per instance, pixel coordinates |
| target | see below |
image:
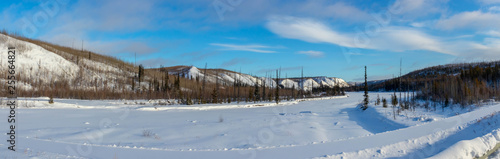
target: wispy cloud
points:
(491, 33)
(312, 53)
(397, 39)
(489, 1)
(412, 9)
(249, 48)
(471, 19)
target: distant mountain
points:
(229, 77)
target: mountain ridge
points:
(228, 77)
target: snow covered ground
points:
(326, 128)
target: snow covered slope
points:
(228, 77)
(39, 68)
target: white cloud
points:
(249, 48)
(396, 39)
(494, 9)
(337, 10)
(491, 33)
(391, 38)
(257, 11)
(312, 53)
(418, 8)
(473, 19)
(307, 30)
(489, 1)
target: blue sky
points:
(325, 37)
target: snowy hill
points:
(229, 77)
(46, 69)
(39, 69)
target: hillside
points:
(47, 69)
(229, 77)
(486, 70)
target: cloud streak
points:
(248, 48)
(473, 19)
(312, 53)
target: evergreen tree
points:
(378, 100)
(394, 104)
(384, 103)
(141, 73)
(215, 96)
(366, 100)
(256, 92)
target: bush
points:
(51, 100)
(147, 133)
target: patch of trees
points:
(444, 86)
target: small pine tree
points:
(215, 96)
(189, 101)
(366, 100)
(378, 100)
(51, 99)
(141, 73)
(256, 92)
(446, 102)
(394, 100)
(384, 103)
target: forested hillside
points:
(46, 69)
(463, 84)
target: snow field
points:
(331, 128)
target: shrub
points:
(51, 100)
(147, 133)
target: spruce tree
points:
(378, 100)
(141, 73)
(256, 92)
(384, 103)
(366, 100)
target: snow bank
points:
(474, 148)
